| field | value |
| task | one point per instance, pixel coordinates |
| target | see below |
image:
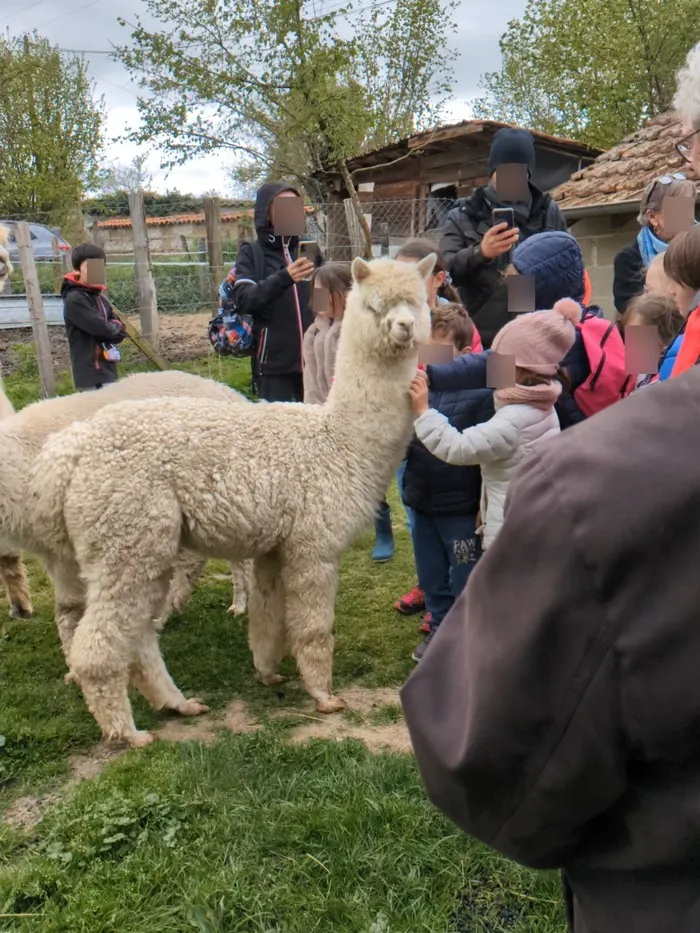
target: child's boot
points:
(384, 540)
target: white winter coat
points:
(497, 446)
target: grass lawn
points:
(239, 830)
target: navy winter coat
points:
(433, 486)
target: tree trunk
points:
(357, 204)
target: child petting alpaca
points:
(444, 499)
(441, 292)
(524, 415)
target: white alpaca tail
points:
(51, 475)
(6, 406)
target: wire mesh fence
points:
(179, 249)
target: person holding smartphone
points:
(272, 286)
(482, 230)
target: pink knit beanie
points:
(539, 341)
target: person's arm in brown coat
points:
(514, 710)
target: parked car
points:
(42, 241)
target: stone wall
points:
(601, 238)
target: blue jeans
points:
(399, 482)
(446, 548)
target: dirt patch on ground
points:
(26, 812)
(182, 337)
(362, 702)
(386, 737)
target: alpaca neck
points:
(369, 400)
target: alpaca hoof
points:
(70, 678)
(140, 739)
(18, 611)
(330, 705)
(192, 707)
(271, 680)
(237, 610)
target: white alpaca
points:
(293, 492)
(22, 436)
(6, 267)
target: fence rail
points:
(176, 267)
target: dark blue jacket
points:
(433, 486)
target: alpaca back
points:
(23, 436)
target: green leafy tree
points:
(593, 71)
(281, 88)
(50, 132)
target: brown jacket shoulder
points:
(556, 716)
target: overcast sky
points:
(91, 25)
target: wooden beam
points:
(36, 310)
(215, 249)
(145, 286)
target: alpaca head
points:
(388, 306)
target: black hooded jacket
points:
(279, 323)
(478, 280)
(89, 322)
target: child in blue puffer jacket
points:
(555, 262)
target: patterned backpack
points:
(230, 332)
(609, 380)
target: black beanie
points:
(511, 146)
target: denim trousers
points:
(446, 548)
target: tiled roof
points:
(172, 219)
(621, 174)
(226, 216)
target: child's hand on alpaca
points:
(419, 394)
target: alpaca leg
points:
(241, 574)
(310, 591)
(151, 678)
(103, 649)
(70, 601)
(187, 568)
(14, 577)
(266, 627)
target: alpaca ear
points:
(360, 269)
(426, 266)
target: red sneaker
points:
(425, 624)
(412, 603)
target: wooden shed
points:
(408, 187)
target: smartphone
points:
(308, 249)
(502, 215)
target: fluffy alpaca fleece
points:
(6, 267)
(12, 572)
(293, 491)
(21, 438)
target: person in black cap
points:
(476, 250)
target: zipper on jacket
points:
(300, 323)
(599, 370)
(262, 352)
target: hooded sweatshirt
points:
(90, 322)
(280, 309)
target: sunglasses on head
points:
(669, 179)
(683, 147)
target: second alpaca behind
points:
(524, 415)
